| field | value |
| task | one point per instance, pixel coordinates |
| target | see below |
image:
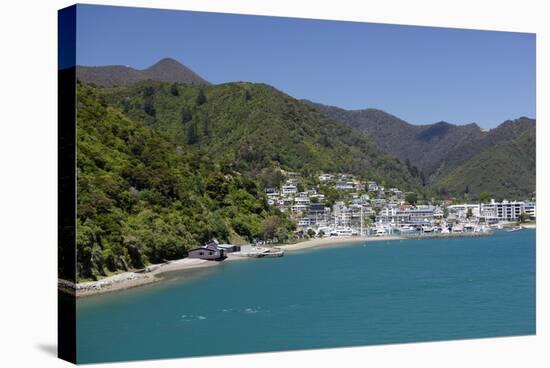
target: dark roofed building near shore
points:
(210, 252)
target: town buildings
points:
(369, 204)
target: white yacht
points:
(427, 229)
(407, 229)
(341, 232)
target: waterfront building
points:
(230, 248)
(503, 211)
(530, 209)
(210, 252)
(460, 211)
(422, 214)
(406, 215)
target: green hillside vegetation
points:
(425, 146)
(254, 127)
(505, 171)
(505, 132)
(431, 152)
(142, 199)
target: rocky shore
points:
(127, 280)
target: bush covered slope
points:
(437, 150)
(505, 171)
(254, 126)
(425, 146)
(142, 199)
(505, 132)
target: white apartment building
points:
(531, 209)
(495, 211)
(504, 211)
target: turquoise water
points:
(357, 294)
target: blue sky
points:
(420, 74)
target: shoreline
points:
(155, 273)
(337, 240)
(131, 279)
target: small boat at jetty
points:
(407, 229)
(341, 232)
(427, 229)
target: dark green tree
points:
(484, 197)
(411, 198)
(148, 91)
(522, 218)
(149, 107)
(201, 98)
(174, 90)
(422, 178)
(192, 136)
(186, 115)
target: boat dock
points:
(447, 235)
(252, 251)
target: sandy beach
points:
(319, 242)
(529, 226)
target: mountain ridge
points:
(165, 70)
(436, 150)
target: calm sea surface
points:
(357, 294)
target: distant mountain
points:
(166, 70)
(505, 170)
(425, 146)
(433, 151)
(508, 131)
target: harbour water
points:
(348, 295)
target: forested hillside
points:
(142, 199)
(505, 171)
(505, 132)
(423, 145)
(253, 127)
(436, 153)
